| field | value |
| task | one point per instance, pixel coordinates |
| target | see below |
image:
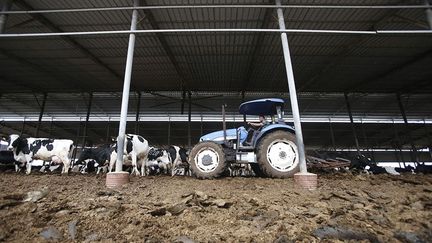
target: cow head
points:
(153, 169)
(164, 158)
(14, 142)
(159, 155)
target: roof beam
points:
(50, 25)
(153, 23)
(258, 46)
(222, 6)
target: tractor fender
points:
(271, 128)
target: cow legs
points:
(17, 168)
(175, 165)
(173, 171)
(28, 160)
(144, 165)
(174, 168)
(99, 168)
(66, 165)
(103, 167)
(28, 168)
(134, 164)
(188, 170)
(113, 158)
(83, 169)
(43, 168)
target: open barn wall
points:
(317, 135)
(164, 106)
(382, 142)
(377, 117)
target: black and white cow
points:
(91, 165)
(50, 165)
(421, 168)
(408, 169)
(168, 161)
(179, 159)
(375, 169)
(27, 149)
(158, 160)
(136, 148)
(98, 157)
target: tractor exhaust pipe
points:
(224, 123)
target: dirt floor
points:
(379, 208)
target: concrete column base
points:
(307, 181)
(117, 179)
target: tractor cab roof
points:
(264, 107)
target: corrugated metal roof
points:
(221, 61)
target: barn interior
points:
(363, 73)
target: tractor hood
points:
(264, 107)
(231, 134)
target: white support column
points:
(119, 178)
(303, 179)
(126, 88)
(292, 90)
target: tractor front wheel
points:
(207, 160)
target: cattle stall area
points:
(215, 121)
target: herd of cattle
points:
(45, 153)
(138, 154)
(27, 152)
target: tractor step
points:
(247, 148)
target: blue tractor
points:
(271, 151)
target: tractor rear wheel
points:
(277, 155)
(207, 160)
